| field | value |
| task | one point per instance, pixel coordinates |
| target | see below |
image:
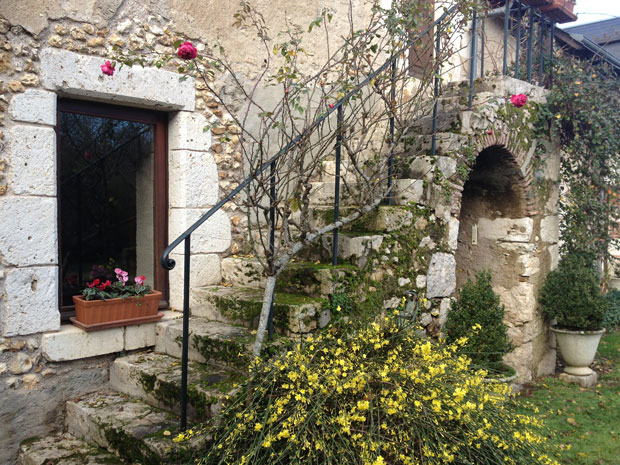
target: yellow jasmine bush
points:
(374, 395)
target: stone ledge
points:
(72, 343)
(73, 74)
(583, 381)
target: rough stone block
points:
(554, 256)
(204, 271)
(194, 181)
(71, 343)
(80, 75)
(34, 106)
(28, 231)
(407, 191)
(33, 160)
(186, 131)
(520, 303)
(31, 301)
(139, 336)
(244, 272)
(583, 381)
(211, 237)
(550, 229)
(447, 166)
(506, 229)
(441, 277)
(453, 233)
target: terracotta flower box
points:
(91, 315)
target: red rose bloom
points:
(518, 100)
(187, 51)
(108, 68)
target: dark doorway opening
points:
(112, 170)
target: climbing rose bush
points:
(376, 395)
(187, 51)
(518, 100)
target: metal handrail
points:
(392, 64)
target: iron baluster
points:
(541, 61)
(474, 52)
(506, 24)
(483, 34)
(530, 44)
(185, 345)
(339, 116)
(518, 45)
(551, 41)
(436, 90)
(272, 235)
(392, 110)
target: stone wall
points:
(34, 390)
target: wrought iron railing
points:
(338, 108)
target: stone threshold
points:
(73, 343)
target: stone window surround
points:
(193, 188)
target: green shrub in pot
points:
(572, 295)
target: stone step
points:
(355, 248)
(63, 449)
(136, 431)
(294, 314)
(382, 219)
(210, 342)
(405, 191)
(450, 112)
(156, 379)
(308, 278)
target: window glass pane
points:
(106, 199)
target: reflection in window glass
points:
(106, 199)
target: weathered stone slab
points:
(408, 191)
(211, 237)
(110, 420)
(33, 160)
(170, 337)
(245, 272)
(156, 378)
(72, 343)
(64, 449)
(550, 229)
(194, 182)
(34, 106)
(28, 231)
(583, 381)
(204, 271)
(31, 301)
(186, 131)
(506, 229)
(441, 277)
(80, 75)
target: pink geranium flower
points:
(518, 100)
(187, 51)
(108, 68)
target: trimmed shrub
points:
(572, 295)
(478, 304)
(377, 395)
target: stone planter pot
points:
(92, 315)
(578, 349)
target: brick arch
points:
(503, 140)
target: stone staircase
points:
(135, 418)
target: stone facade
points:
(50, 50)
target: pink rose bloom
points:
(518, 100)
(108, 68)
(187, 51)
(139, 280)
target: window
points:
(112, 189)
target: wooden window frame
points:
(160, 182)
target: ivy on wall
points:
(583, 108)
